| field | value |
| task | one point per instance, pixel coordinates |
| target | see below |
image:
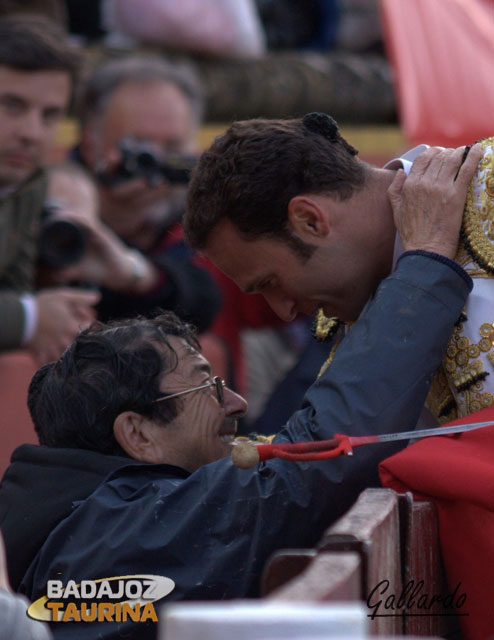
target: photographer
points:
(140, 117)
(74, 246)
(37, 74)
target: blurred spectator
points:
(270, 354)
(85, 19)
(37, 75)
(74, 245)
(245, 28)
(52, 9)
(213, 28)
(300, 24)
(217, 27)
(321, 25)
(77, 246)
(360, 26)
(138, 114)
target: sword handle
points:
(246, 455)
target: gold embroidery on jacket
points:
(463, 367)
(477, 232)
(440, 400)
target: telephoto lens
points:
(61, 242)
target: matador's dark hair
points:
(250, 173)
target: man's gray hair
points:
(144, 70)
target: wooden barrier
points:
(330, 577)
(422, 561)
(385, 552)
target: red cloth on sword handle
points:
(320, 450)
(247, 454)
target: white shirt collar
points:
(406, 160)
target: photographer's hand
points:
(107, 262)
(62, 313)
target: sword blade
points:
(436, 431)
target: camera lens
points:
(61, 243)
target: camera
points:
(61, 242)
(141, 159)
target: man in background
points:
(140, 115)
(37, 75)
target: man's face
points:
(200, 432)
(157, 113)
(340, 275)
(31, 106)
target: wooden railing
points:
(385, 552)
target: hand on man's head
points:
(428, 203)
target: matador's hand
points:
(428, 203)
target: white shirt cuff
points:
(30, 317)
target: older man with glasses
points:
(134, 478)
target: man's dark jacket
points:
(211, 531)
(19, 213)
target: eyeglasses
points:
(218, 384)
